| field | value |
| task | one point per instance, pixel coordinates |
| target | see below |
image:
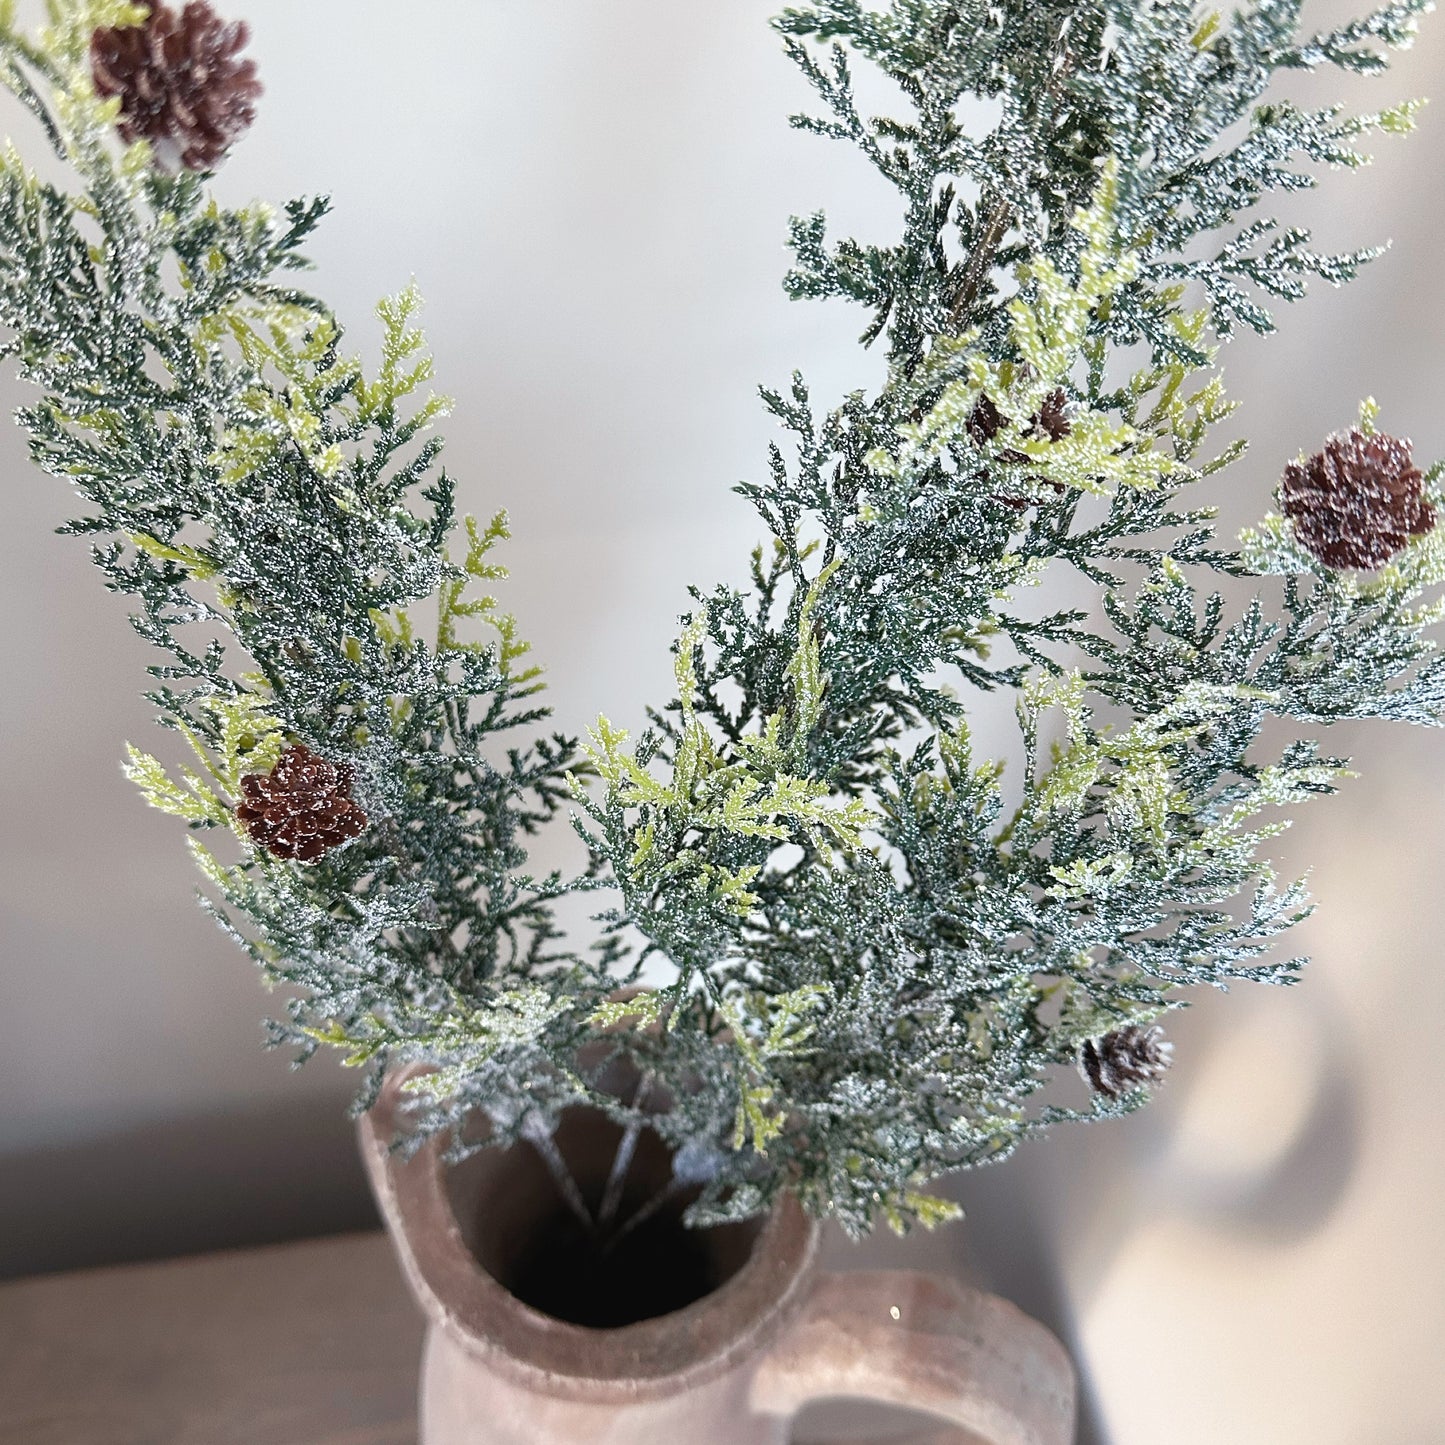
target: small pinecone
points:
(180, 84)
(985, 421)
(1357, 502)
(1053, 417)
(1125, 1059)
(302, 808)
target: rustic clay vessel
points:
(716, 1337)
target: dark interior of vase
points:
(641, 1263)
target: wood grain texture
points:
(303, 1344)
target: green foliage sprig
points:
(857, 955)
(975, 938)
(280, 518)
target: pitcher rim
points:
(664, 1355)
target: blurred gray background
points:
(592, 196)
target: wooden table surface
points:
(302, 1344)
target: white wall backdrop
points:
(592, 195)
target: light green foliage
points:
(688, 824)
(849, 964)
(194, 562)
(765, 1029)
(405, 366)
(453, 605)
(195, 802)
(246, 740)
(298, 351)
(1050, 322)
(914, 1207)
(642, 1010)
(510, 1021)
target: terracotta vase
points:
(684, 1337)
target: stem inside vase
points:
(628, 1258)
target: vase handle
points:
(903, 1338)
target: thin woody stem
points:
(980, 263)
(622, 1160)
(669, 1191)
(546, 1146)
(1000, 218)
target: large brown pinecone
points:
(180, 84)
(1357, 502)
(302, 808)
(1125, 1059)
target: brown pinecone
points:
(1053, 417)
(180, 84)
(1125, 1059)
(302, 808)
(985, 421)
(1357, 502)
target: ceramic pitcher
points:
(734, 1366)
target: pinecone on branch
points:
(1125, 1059)
(985, 421)
(180, 83)
(302, 808)
(1053, 416)
(1357, 502)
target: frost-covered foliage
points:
(279, 516)
(857, 967)
(808, 836)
